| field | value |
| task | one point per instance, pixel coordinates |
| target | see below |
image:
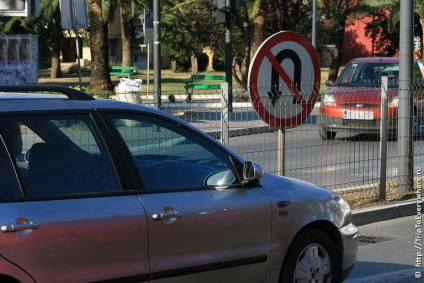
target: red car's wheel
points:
(324, 134)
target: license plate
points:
(358, 115)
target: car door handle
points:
(166, 215)
(19, 227)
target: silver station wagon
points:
(99, 190)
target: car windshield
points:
(369, 74)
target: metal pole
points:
(74, 25)
(156, 52)
(225, 127)
(148, 67)
(314, 24)
(405, 108)
(281, 152)
(228, 58)
(383, 137)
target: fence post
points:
(383, 136)
(225, 118)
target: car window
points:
(62, 155)
(9, 186)
(168, 157)
(369, 74)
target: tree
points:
(126, 14)
(50, 13)
(336, 13)
(100, 12)
(126, 31)
(187, 27)
(261, 18)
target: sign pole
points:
(74, 23)
(281, 152)
(229, 58)
(73, 14)
(288, 65)
(156, 52)
(148, 66)
(225, 118)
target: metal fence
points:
(352, 163)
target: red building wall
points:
(356, 44)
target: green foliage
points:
(218, 62)
(240, 95)
(253, 7)
(186, 28)
(108, 8)
(171, 98)
(391, 10)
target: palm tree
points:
(50, 12)
(126, 31)
(100, 13)
(257, 14)
(393, 19)
(126, 12)
(337, 12)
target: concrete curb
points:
(378, 213)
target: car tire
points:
(325, 135)
(312, 256)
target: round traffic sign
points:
(284, 79)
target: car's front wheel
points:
(311, 257)
(324, 134)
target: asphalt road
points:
(388, 252)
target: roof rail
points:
(71, 93)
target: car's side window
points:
(62, 155)
(9, 186)
(169, 157)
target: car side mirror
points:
(221, 178)
(329, 83)
(252, 171)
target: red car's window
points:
(369, 74)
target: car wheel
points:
(311, 257)
(325, 135)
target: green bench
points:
(122, 71)
(197, 82)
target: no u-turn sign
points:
(284, 79)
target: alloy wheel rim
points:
(313, 265)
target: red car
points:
(352, 104)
